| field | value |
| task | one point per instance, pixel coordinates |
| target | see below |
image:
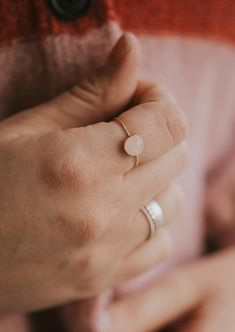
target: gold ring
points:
(133, 144)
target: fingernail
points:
(120, 50)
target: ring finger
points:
(151, 252)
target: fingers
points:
(174, 295)
(159, 122)
(152, 251)
(148, 255)
(148, 180)
(158, 305)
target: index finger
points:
(157, 120)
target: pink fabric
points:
(200, 73)
(220, 203)
(203, 86)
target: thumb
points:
(99, 97)
(106, 93)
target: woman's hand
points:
(200, 297)
(70, 223)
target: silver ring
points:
(154, 214)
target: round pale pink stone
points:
(134, 145)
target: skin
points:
(69, 196)
(198, 297)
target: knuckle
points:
(78, 232)
(93, 226)
(96, 221)
(63, 166)
(64, 171)
(69, 230)
(51, 151)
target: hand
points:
(200, 297)
(69, 196)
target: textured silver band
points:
(154, 214)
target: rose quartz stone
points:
(134, 145)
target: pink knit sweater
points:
(195, 59)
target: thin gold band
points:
(122, 124)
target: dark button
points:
(70, 9)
